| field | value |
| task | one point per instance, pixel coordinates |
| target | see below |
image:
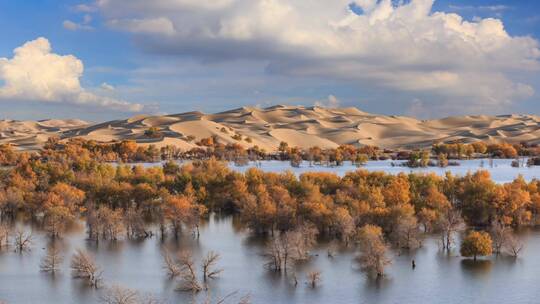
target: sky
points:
(110, 59)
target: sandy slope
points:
(298, 126)
(31, 135)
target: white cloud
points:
(147, 26)
(405, 47)
(83, 25)
(36, 74)
(107, 87)
(490, 8)
(330, 102)
(73, 26)
(85, 8)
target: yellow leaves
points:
(476, 244)
(397, 191)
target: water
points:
(501, 171)
(439, 277)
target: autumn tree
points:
(476, 243)
(372, 257)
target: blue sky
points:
(150, 56)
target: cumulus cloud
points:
(405, 47)
(35, 73)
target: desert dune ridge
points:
(299, 126)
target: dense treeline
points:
(130, 151)
(67, 184)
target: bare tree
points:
(289, 247)
(407, 233)
(188, 277)
(512, 244)
(498, 234)
(314, 278)
(448, 223)
(209, 264)
(4, 235)
(172, 268)
(52, 261)
(84, 267)
(23, 240)
(134, 222)
(119, 295)
(274, 254)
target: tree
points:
(314, 278)
(4, 235)
(442, 160)
(119, 295)
(209, 264)
(188, 277)
(372, 257)
(498, 234)
(476, 243)
(447, 224)
(407, 232)
(84, 267)
(512, 244)
(52, 261)
(23, 240)
(170, 265)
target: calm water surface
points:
(438, 278)
(500, 169)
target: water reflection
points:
(477, 269)
(139, 265)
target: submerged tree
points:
(448, 223)
(209, 265)
(314, 278)
(373, 249)
(498, 233)
(120, 295)
(512, 244)
(84, 267)
(476, 244)
(134, 223)
(285, 249)
(4, 235)
(23, 240)
(188, 274)
(171, 266)
(52, 261)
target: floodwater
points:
(439, 277)
(501, 170)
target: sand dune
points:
(297, 125)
